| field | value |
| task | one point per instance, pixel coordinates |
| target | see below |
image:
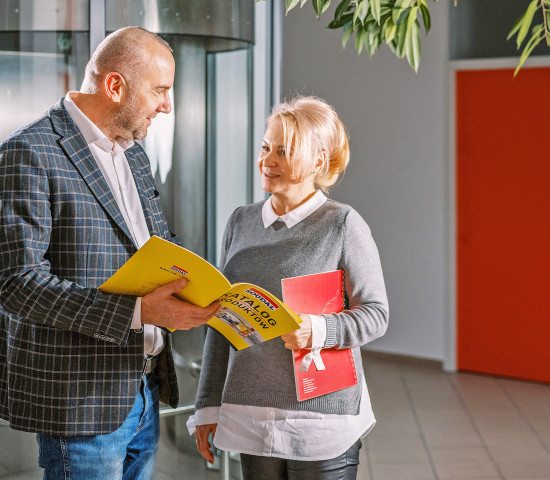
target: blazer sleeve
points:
(28, 288)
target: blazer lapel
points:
(75, 147)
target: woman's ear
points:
(115, 86)
(320, 163)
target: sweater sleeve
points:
(366, 317)
(214, 370)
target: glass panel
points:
(36, 69)
(232, 142)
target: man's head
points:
(130, 74)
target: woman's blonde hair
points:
(312, 127)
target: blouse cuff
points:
(204, 416)
(318, 331)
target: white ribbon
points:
(315, 356)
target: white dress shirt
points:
(289, 434)
(113, 164)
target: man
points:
(82, 368)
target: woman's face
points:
(275, 172)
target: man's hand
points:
(300, 338)
(202, 433)
(161, 308)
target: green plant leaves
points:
(361, 11)
(320, 6)
(375, 9)
(290, 4)
(412, 39)
(395, 23)
(348, 30)
(375, 22)
(538, 32)
(342, 7)
(537, 35)
(526, 21)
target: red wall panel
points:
(503, 222)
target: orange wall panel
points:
(503, 222)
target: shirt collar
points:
(295, 216)
(91, 132)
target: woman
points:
(247, 399)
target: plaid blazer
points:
(69, 362)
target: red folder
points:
(316, 294)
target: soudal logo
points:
(179, 270)
(262, 298)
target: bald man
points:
(82, 368)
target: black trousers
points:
(343, 467)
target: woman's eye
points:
(282, 153)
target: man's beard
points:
(124, 124)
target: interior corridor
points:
(434, 425)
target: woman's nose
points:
(269, 159)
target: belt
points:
(149, 364)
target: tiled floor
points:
(434, 425)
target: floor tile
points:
(394, 440)
(539, 469)
(403, 471)
(452, 439)
(459, 454)
(444, 426)
(519, 451)
(466, 469)
(399, 455)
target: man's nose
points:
(166, 105)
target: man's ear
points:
(115, 86)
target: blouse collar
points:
(295, 216)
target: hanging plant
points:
(397, 23)
(538, 32)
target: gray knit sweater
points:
(333, 237)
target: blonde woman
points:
(247, 399)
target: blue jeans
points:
(128, 453)
(343, 467)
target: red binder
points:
(316, 294)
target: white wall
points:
(397, 121)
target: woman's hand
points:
(202, 432)
(300, 338)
